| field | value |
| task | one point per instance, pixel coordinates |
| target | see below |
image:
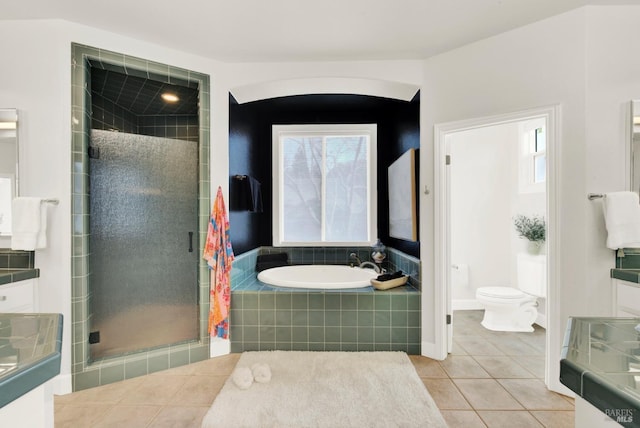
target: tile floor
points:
(492, 379)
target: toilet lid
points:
(501, 292)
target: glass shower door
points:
(143, 242)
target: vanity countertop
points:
(600, 362)
(30, 347)
(8, 275)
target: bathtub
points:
(318, 276)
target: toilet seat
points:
(501, 292)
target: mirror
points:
(8, 166)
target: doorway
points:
(446, 273)
(143, 199)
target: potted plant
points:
(533, 229)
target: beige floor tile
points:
(120, 416)
(502, 367)
(535, 364)
(446, 394)
(220, 366)
(520, 419)
(555, 419)
(111, 393)
(510, 346)
(476, 345)
(462, 419)
(456, 349)
(534, 395)
(462, 366)
(82, 415)
(199, 390)
(486, 394)
(179, 417)
(155, 389)
(426, 367)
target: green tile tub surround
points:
(598, 362)
(243, 268)
(85, 372)
(272, 318)
(315, 320)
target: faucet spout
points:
(373, 266)
(355, 256)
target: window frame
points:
(279, 131)
(527, 156)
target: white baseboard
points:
(430, 350)
(219, 347)
(465, 305)
(62, 384)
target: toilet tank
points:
(532, 274)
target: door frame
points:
(551, 114)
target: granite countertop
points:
(30, 347)
(8, 275)
(601, 363)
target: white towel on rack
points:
(29, 224)
(622, 219)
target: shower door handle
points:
(191, 242)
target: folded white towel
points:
(28, 224)
(261, 373)
(242, 377)
(622, 219)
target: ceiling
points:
(298, 30)
(142, 97)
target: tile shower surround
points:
(87, 373)
(269, 318)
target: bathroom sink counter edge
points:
(631, 275)
(597, 363)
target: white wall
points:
(580, 61)
(538, 65)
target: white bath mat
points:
(327, 389)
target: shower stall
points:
(143, 211)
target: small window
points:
(539, 156)
(532, 156)
(324, 184)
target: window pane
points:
(302, 159)
(541, 143)
(539, 168)
(346, 202)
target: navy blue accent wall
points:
(250, 150)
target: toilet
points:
(514, 309)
